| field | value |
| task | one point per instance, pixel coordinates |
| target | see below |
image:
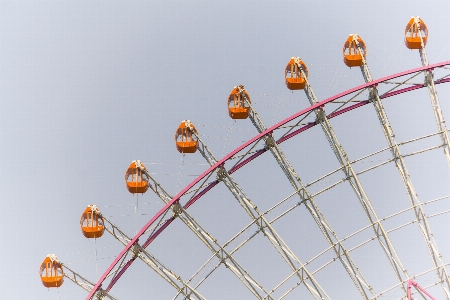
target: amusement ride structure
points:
(139, 180)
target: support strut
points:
(341, 252)
(436, 257)
(264, 225)
(352, 178)
(213, 245)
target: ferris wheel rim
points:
(256, 138)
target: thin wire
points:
(390, 58)
(280, 103)
(191, 164)
(180, 172)
(399, 55)
(135, 212)
(330, 71)
(221, 127)
(441, 53)
(84, 251)
(69, 295)
(96, 259)
(228, 136)
(337, 75)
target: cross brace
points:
(252, 210)
(306, 198)
(212, 243)
(85, 284)
(436, 257)
(140, 252)
(357, 187)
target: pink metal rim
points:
(411, 284)
(258, 153)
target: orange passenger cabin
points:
(185, 138)
(92, 223)
(136, 178)
(238, 107)
(416, 32)
(295, 78)
(354, 50)
(51, 272)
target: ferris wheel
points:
(339, 252)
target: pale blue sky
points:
(88, 86)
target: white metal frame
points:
(85, 283)
(213, 245)
(308, 200)
(356, 185)
(421, 218)
(259, 219)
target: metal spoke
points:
(212, 243)
(138, 251)
(346, 238)
(119, 265)
(342, 240)
(84, 283)
(350, 266)
(286, 253)
(356, 185)
(434, 97)
(362, 244)
(406, 178)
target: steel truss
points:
(138, 251)
(248, 152)
(356, 185)
(423, 273)
(434, 96)
(264, 226)
(290, 209)
(306, 198)
(218, 251)
(374, 98)
(85, 283)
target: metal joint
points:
(320, 113)
(373, 95)
(221, 173)
(176, 209)
(270, 142)
(428, 78)
(135, 250)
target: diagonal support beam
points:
(213, 245)
(160, 225)
(433, 95)
(341, 252)
(139, 252)
(85, 283)
(285, 252)
(357, 187)
(436, 257)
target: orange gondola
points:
(185, 138)
(92, 223)
(238, 108)
(51, 272)
(295, 79)
(416, 33)
(135, 178)
(353, 55)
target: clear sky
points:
(86, 87)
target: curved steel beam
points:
(221, 162)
